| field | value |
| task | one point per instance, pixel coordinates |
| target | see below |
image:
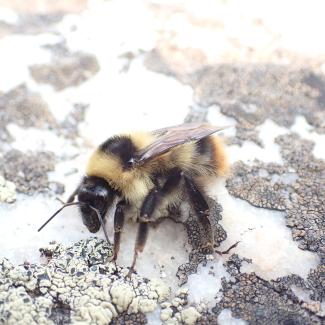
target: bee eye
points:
(130, 163)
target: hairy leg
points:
(142, 236)
(118, 226)
(200, 207)
(149, 205)
(202, 210)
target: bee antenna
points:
(78, 203)
(57, 212)
(61, 201)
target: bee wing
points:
(170, 137)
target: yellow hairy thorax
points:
(134, 184)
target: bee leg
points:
(118, 226)
(227, 251)
(151, 202)
(142, 236)
(201, 208)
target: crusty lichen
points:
(263, 91)
(190, 315)
(28, 171)
(276, 92)
(263, 302)
(199, 237)
(80, 284)
(257, 184)
(162, 291)
(306, 206)
(177, 311)
(122, 295)
(7, 191)
(67, 69)
(26, 108)
(298, 189)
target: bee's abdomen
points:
(211, 157)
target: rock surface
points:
(89, 70)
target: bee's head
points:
(96, 193)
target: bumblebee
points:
(149, 172)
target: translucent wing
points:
(170, 137)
